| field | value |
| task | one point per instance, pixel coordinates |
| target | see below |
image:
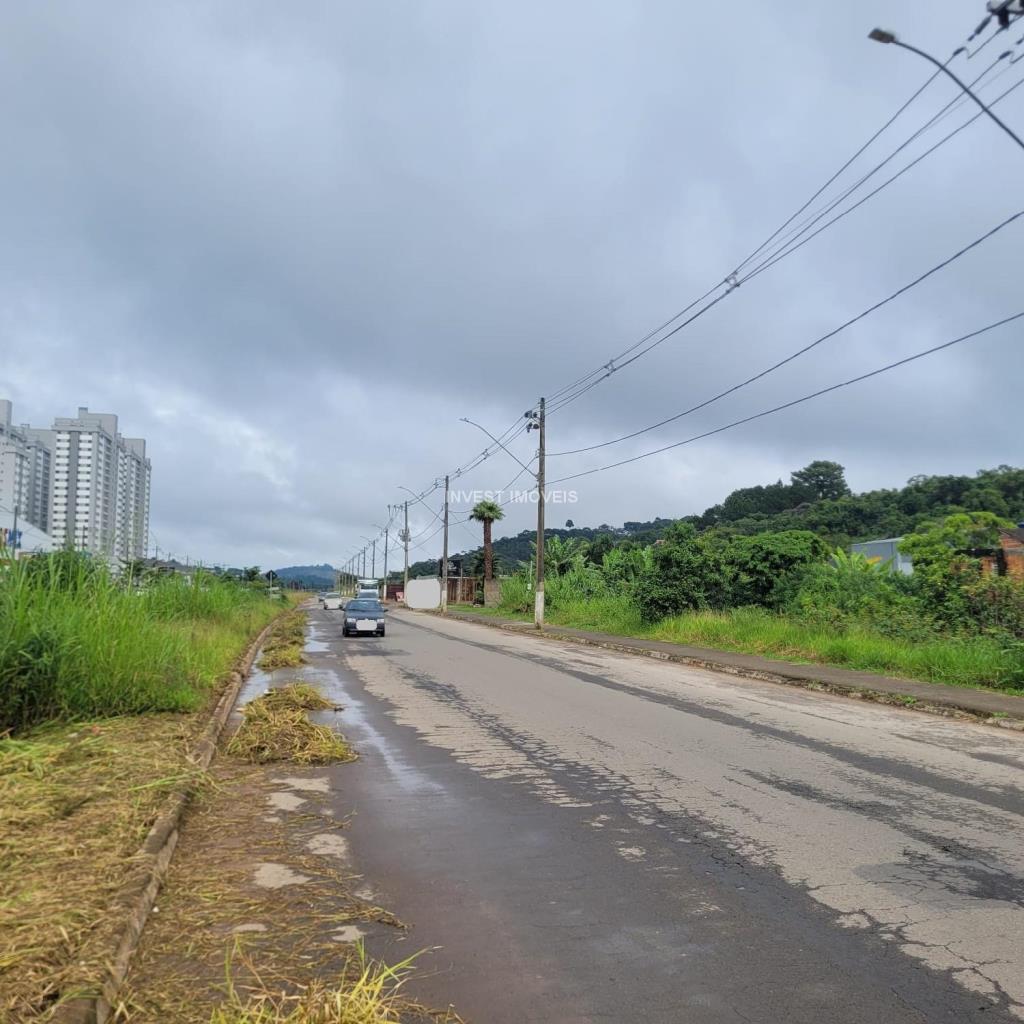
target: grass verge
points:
(227, 949)
(78, 799)
(975, 664)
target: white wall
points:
(423, 594)
(32, 539)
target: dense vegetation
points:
(788, 593)
(76, 642)
(817, 499)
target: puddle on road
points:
(357, 724)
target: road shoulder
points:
(1002, 710)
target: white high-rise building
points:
(133, 472)
(25, 470)
(13, 459)
(100, 487)
(39, 488)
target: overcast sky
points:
(292, 244)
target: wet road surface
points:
(588, 836)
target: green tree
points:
(477, 562)
(953, 540)
(487, 512)
(820, 479)
(946, 564)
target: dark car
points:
(364, 616)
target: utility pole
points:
(364, 561)
(373, 558)
(405, 541)
(538, 597)
(444, 557)
(386, 559)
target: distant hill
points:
(316, 577)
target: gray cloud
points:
(292, 246)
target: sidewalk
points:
(998, 708)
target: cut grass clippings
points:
(298, 695)
(283, 648)
(76, 803)
(275, 727)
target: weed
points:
(368, 993)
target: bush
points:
(767, 569)
(684, 574)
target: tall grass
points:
(977, 661)
(76, 643)
(980, 661)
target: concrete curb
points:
(138, 894)
(931, 698)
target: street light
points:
(881, 35)
(473, 423)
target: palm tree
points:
(487, 512)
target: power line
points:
(876, 190)
(791, 240)
(795, 401)
(806, 348)
(790, 237)
(596, 376)
(792, 245)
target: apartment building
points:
(12, 461)
(25, 470)
(38, 488)
(81, 482)
(101, 485)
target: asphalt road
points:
(587, 836)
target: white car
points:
(332, 601)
